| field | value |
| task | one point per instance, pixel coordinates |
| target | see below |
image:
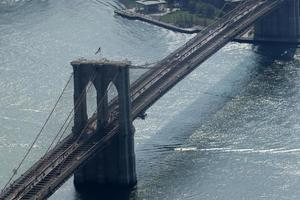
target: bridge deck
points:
(44, 177)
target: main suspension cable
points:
(144, 66)
(15, 171)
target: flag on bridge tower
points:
(98, 51)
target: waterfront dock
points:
(137, 16)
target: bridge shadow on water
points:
(272, 52)
(267, 67)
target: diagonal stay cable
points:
(71, 112)
(38, 135)
(72, 117)
(100, 102)
(79, 101)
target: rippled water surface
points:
(230, 130)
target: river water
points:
(230, 130)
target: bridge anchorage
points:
(115, 165)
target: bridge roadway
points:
(53, 169)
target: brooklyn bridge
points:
(99, 150)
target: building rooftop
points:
(151, 2)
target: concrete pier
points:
(115, 166)
(145, 18)
(281, 25)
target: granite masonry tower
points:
(281, 25)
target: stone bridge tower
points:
(115, 166)
(282, 25)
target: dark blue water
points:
(230, 130)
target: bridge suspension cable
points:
(98, 104)
(76, 106)
(144, 66)
(150, 65)
(227, 3)
(15, 171)
(68, 120)
(64, 126)
(222, 9)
